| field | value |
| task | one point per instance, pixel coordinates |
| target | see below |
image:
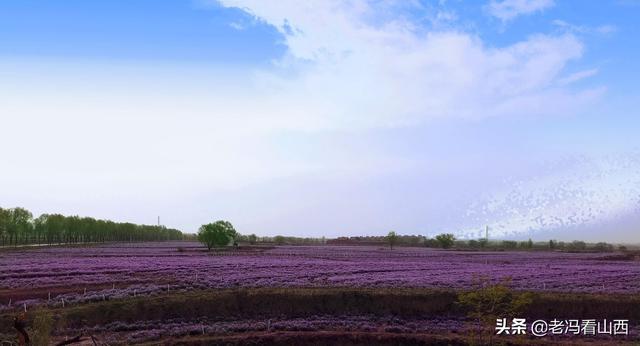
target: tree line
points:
(19, 227)
(221, 233)
(448, 240)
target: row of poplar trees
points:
(18, 227)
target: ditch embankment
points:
(217, 306)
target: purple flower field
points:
(117, 271)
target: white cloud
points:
(577, 76)
(506, 10)
(355, 65)
(583, 29)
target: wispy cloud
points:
(507, 10)
(577, 76)
(583, 29)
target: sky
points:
(326, 118)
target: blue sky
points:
(176, 31)
(326, 117)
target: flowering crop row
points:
(116, 271)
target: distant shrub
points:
(392, 238)
(526, 244)
(577, 245)
(473, 243)
(430, 242)
(279, 239)
(509, 244)
(603, 247)
(415, 240)
(445, 240)
(460, 244)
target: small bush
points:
(487, 302)
(446, 240)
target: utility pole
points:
(486, 232)
(158, 221)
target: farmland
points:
(149, 267)
(177, 290)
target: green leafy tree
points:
(392, 239)
(19, 223)
(279, 240)
(445, 240)
(219, 233)
(18, 227)
(4, 223)
(252, 238)
(40, 227)
(55, 225)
